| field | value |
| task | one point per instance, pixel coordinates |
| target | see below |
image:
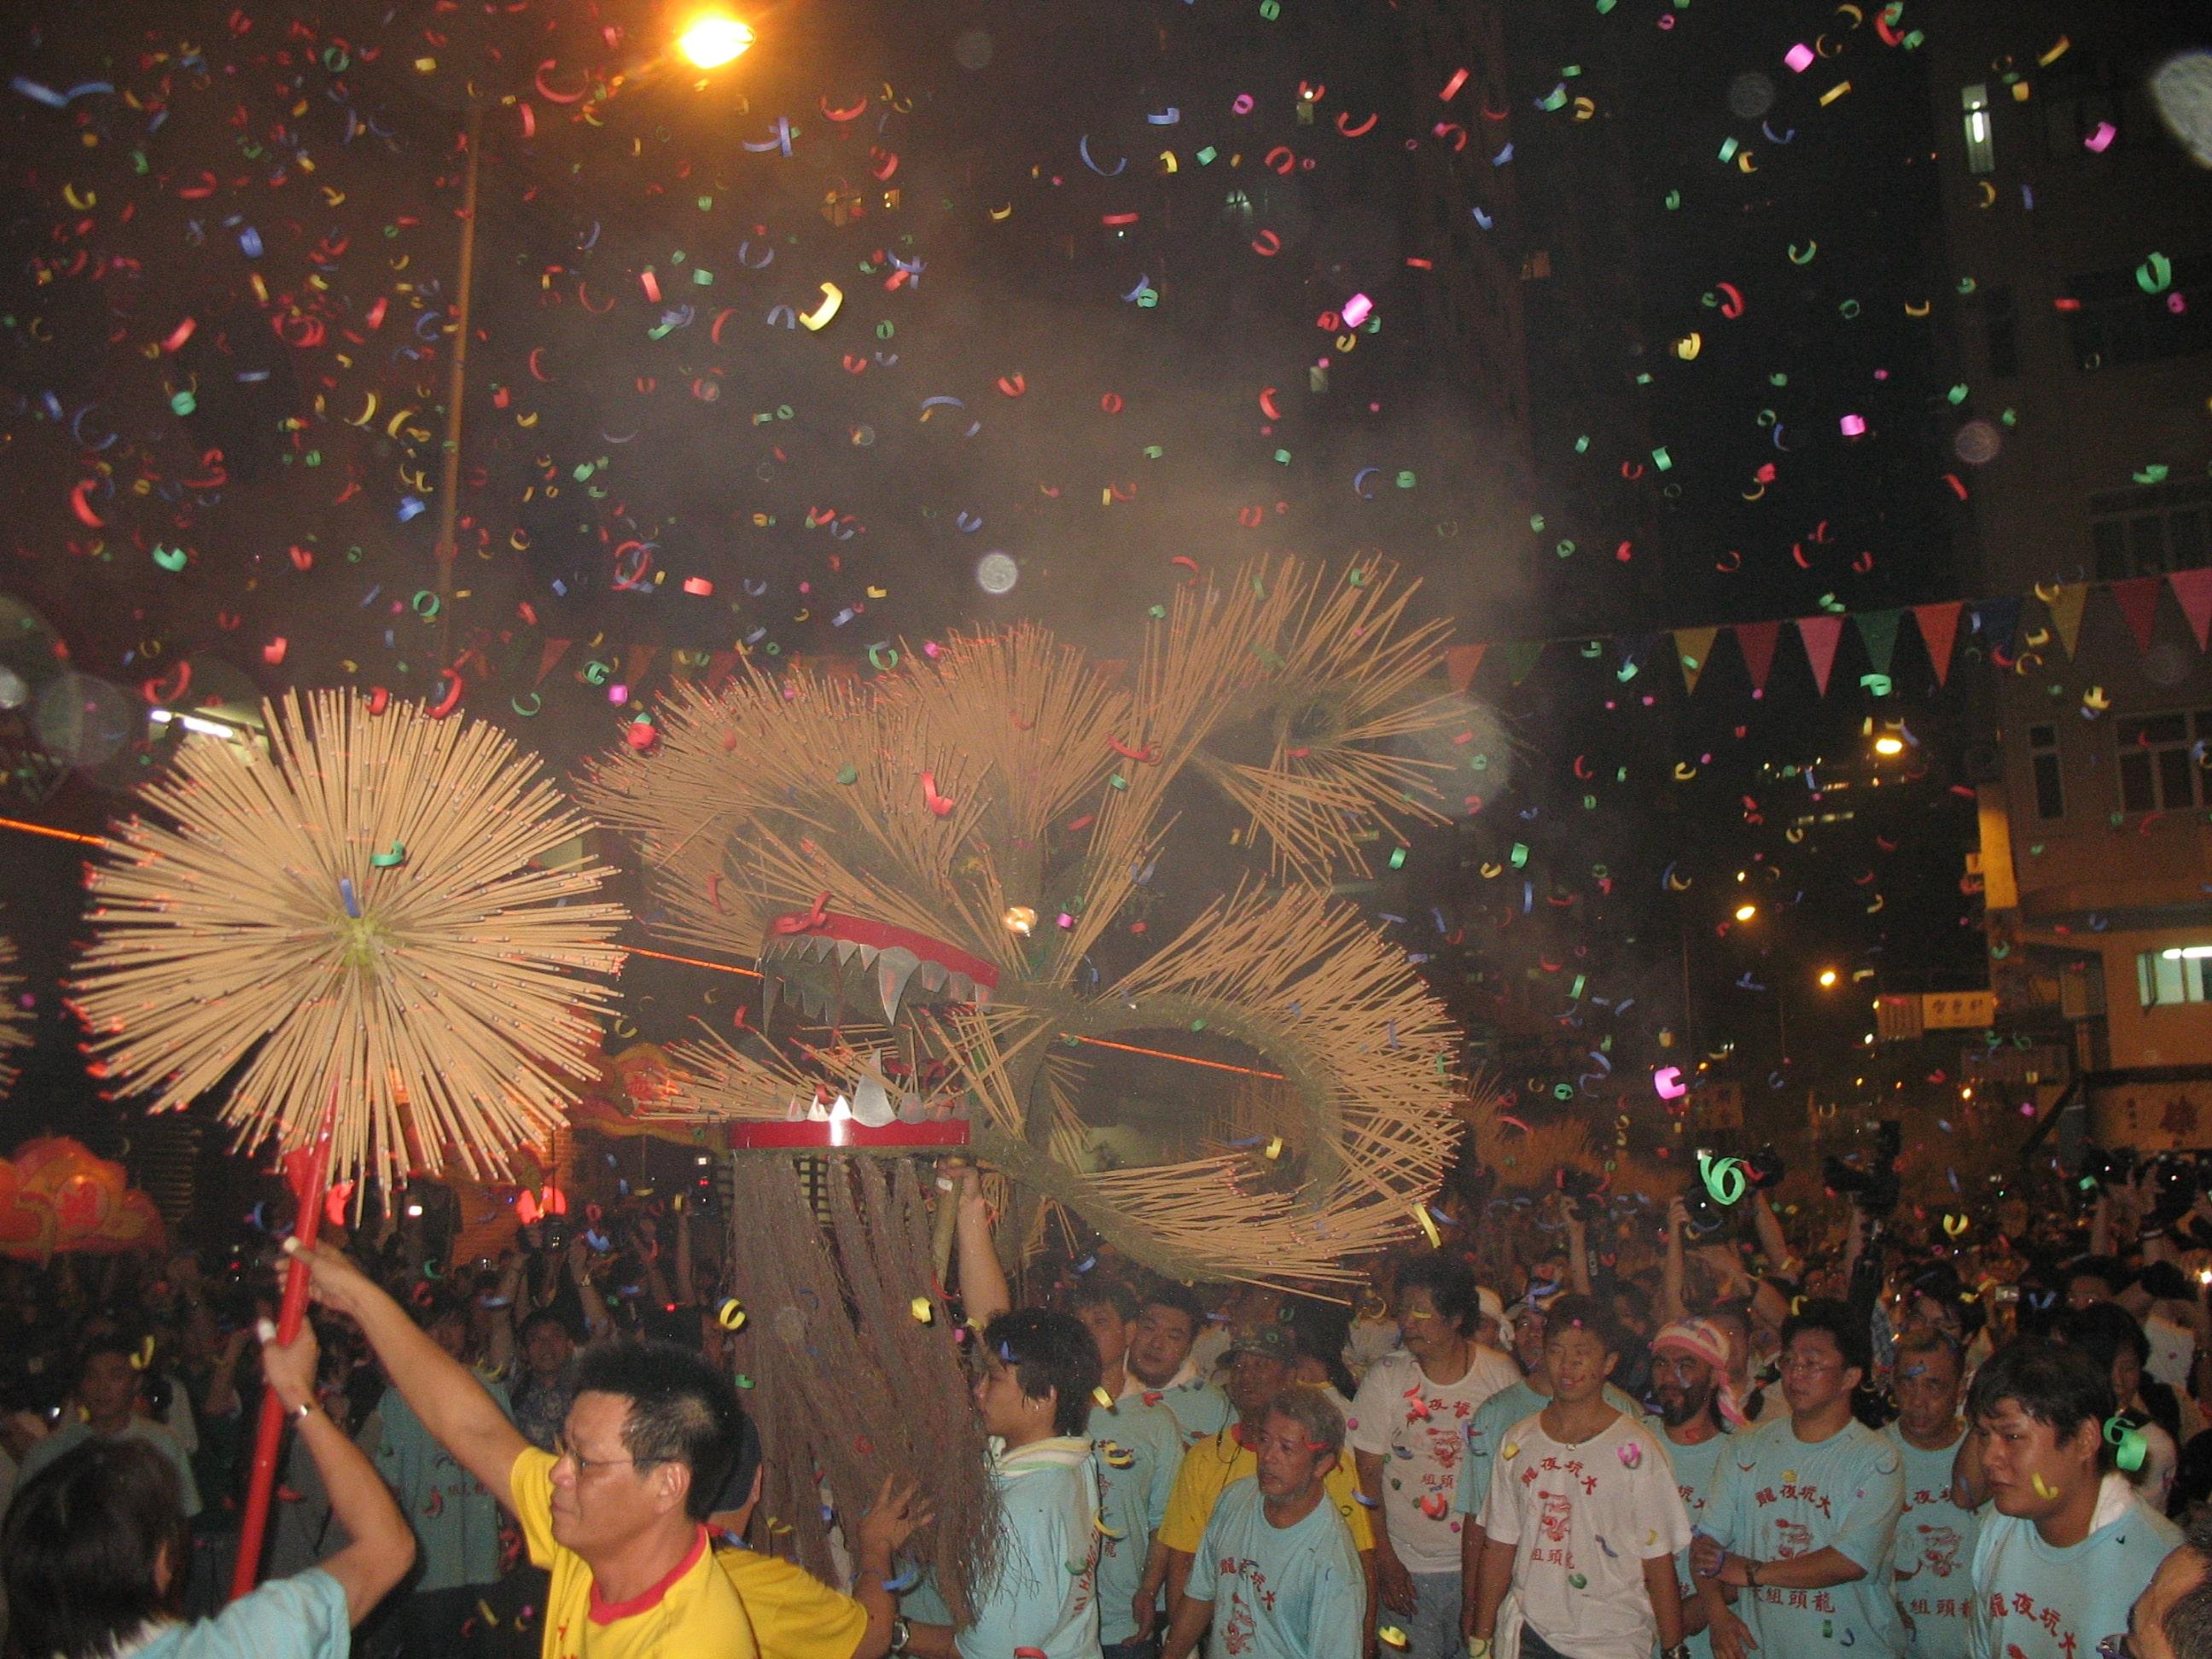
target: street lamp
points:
(1746, 911)
(1827, 978)
(713, 39)
(1888, 746)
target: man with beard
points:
(1260, 1369)
(1934, 1548)
(1407, 1430)
(1160, 1368)
(1689, 1374)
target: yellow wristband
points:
(1478, 1647)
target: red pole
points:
(309, 1172)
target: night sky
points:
(227, 328)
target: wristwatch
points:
(1679, 1651)
(1750, 1573)
(899, 1634)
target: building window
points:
(2172, 976)
(2151, 530)
(2049, 786)
(2161, 761)
(1981, 142)
(2110, 322)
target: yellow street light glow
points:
(1827, 977)
(713, 40)
(1745, 912)
(1888, 744)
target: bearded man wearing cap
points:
(1261, 1364)
(1697, 1412)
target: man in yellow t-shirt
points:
(795, 1615)
(1261, 1369)
(618, 1515)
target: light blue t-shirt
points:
(1776, 1496)
(1695, 1467)
(1932, 1561)
(454, 1514)
(1487, 1427)
(1292, 1592)
(1044, 1592)
(68, 1437)
(1198, 1408)
(1138, 1452)
(299, 1618)
(2038, 1602)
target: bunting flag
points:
(1997, 621)
(1694, 649)
(1461, 662)
(1878, 631)
(1939, 631)
(1521, 656)
(1821, 635)
(1756, 641)
(2192, 591)
(2138, 602)
(553, 652)
(2066, 604)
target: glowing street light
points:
(1746, 911)
(714, 39)
(1888, 744)
(1827, 978)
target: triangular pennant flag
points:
(2138, 602)
(1939, 631)
(720, 667)
(554, 650)
(1521, 656)
(1694, 649)
(1821, 635)
(1756, 641)
(1997, 621)
(2192, 591)
(1460, 663)
(637, 663)
(2066, 614)
(1878, 629)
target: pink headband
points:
(1700, 1338)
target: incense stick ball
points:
(391, 904)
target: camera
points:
(1577, 1187)
(2175, 1182)
(1764, 1168)
(1874, 1188)
(556, 1233)
(2103, 1168)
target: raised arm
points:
(983, 1289)
(453, 1405)
(1672, 1308)
(383, 1547)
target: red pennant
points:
(2192, 591)
(551, 653)
(2138, 602)
(1460, 663)
(1821, 635)
(1756, 641)
(1939, 631)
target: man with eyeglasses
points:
(1805, 1511)
(618, 1515)
(1407, 1429)
(2070, 1546)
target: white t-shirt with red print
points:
(1419, 1428)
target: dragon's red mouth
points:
(826, 962)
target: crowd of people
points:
(1581, 1424)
